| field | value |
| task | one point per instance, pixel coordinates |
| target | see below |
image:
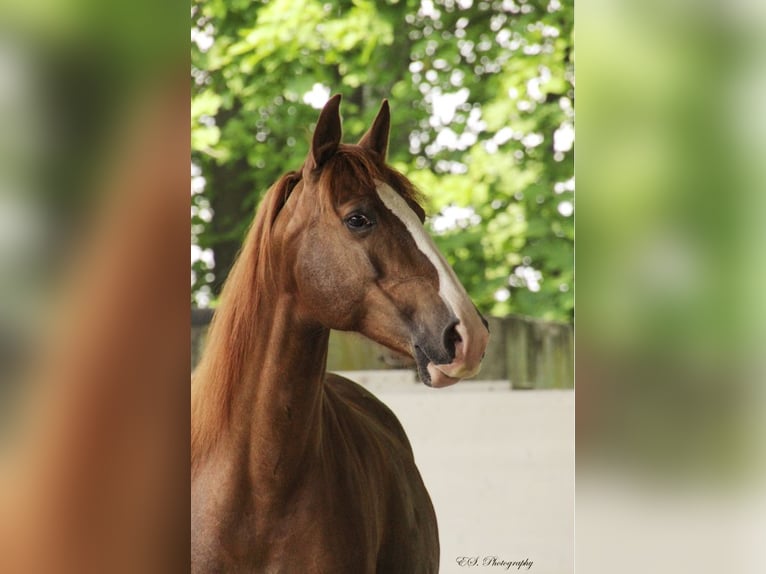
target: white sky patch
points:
(533, 90)
(562, 186)
(443, 106)
(563, 138)
(447, 139)
(524, 106)
(204, 255)
(456, 77)
(502, 295)
(203, 296)
(444, 166)
(203, 37)
(532, 140)
(534, 85)
(503, 36)
(566, 208)
(503, 135)
(475, 123)
(197, 184)
(427, 9)
(554, 5)
(205, 214)
(532, 49)
(453, 217)
(317, 97)
(526, 276)
(201, 208)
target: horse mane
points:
(230, 335)
(231, 332)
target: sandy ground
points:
(499, 465)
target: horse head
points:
(354, 255)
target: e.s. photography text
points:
(493, 561)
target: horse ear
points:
(376, 137)
(326, 135)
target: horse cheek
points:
(329, 291)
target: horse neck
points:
(282, 399)
(274, 409)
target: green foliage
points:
(482, 97)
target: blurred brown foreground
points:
(94, 184)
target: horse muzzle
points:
(458, 356)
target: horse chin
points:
(430, 373)
(439, 378)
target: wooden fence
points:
(530, 353)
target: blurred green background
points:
(670, 310)
(482, 97)
(669, 257)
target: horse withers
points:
(295, 469)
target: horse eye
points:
(358, 221)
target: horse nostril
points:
(451, 338)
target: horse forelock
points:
(355, 171)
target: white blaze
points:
(450, 289)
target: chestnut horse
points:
(294, 469)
